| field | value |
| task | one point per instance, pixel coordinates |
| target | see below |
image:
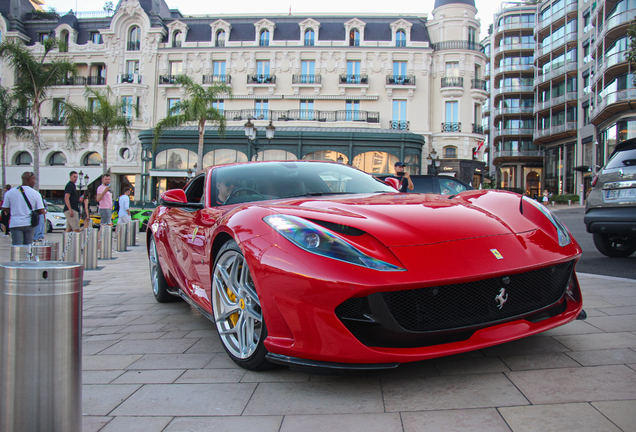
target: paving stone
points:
(102, 399)
(158, 346)
(275, 375)
(346, 397)
(470, 366)
(583, 384)
(91, 347)
(175, 334)
(598, 341)
(539, 361)
(580, 417)
(94, 423)
(615, 323)
(451, 392)
(137, 424)
(573, 328)
(342, 422)
(621, 413)
(187, 400)
(216, 424)
(138, 336)
(222, 361)
(160, 376)
(473, 420)
(604, 357)
(209, 344)
(100, 377)
(618, 310)
(204, 376)
(530, 345)
(106, 362)
(171, 361)
(142, 328)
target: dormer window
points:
(134, 39)
(309, 37)
(176, 39)
(354, 37)
(220, 39)
(400, 38)
(264, 38)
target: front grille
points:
(410, 314)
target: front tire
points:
(49, 227)
(615, 246)
(157, 279)
(237, 310)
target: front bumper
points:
(611, 220)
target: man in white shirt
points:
(124, 207)
(15, 205)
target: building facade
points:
(380, 74)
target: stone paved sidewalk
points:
(161, 367)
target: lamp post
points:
(252, 135)
(433, 162)
(81, 176)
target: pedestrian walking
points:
(5, 217)
(124, 206)
(86, 210)
(23, 204)
(71, 204)
(105, 201)
(40, 230)
(546, 198)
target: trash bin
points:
(40, 346)
(31, 253)
(55, 249)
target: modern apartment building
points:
(570, 103)
(366, 90)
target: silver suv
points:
(610, 212)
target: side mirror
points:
(393, 182)
(177, 198)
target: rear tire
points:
(615, 246)
(157, 279)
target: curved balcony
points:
(515, 26)
(458, 45)
(513, 47)
(515, 154)
(452, 86)
(513, 132)
(554, 73)
(611, 104)
(514, 68)
(478, 129)
(620, 19)
(453, 82)
(613, 60)
(514, 89)
(556, 130)
(478, 84)
(513, 110)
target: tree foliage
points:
(10, 113)
(197, 108)
(631, 54)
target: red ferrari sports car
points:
(319, 264)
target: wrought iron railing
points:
(478, 84)
(261, 79)
(96, 80)
(400, 80)
(129, 79)
(459, 44)
(211, 79)
(452, 82)
(354, 79)
(303, 115)
(478, 129)
(72, 81)
(52, 121)
(400, 125)
(168, 79)
(451, 127)
(306, 79)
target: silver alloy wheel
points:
(237, 309)
(154, 267)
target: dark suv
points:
(441, 184)
(610, 212)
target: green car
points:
(142, 215)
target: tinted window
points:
(625, 158)
(422, 185)
(450, 186)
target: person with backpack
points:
(24, 205)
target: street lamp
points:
(252, 135)
(433, 162)
(81, 176)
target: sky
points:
(486, 8)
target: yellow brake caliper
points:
(235, 316)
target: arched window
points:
(450, 152)
(220, 39)
(264, 40)
(267, 155)
(375, 162)
(176, 39)
(223, 156)
(23, 158)
(134, 39)
(400, 38)
(327, 155)
(309, 37)
(65, 39)
(176, 159)
(92, 159)
(57, 158)
(354, 38)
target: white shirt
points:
(124, 205)
(20, 213)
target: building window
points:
(176, 68)
(309, 37)
(450, 152)
(223, 156)
(452, 69)
(472, 35)
(176, 39)
(172, 110)
(219, 105)
(452, 112)
(375, 162)
(399, 115)
(308, 71)
(43, 37)
(127, 106)
(353, 72)
(327, 155)
(57, 158)
(92, 159)
(93, 104)
(96, 38)
(261, 109)
(220, 39)
(352, 112)
(307, 109)
(264, 39)
(262, 71)
(399, 72)
(58, 109)
(175, 159)
(23, 158)
(134, 39)
(132, 67)
(400, 38)
(218, 69)
(267, 155)
(354, 38)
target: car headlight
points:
(59, 217)
(317, 240)
(564, 235)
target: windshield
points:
(273, 180)
(54, 209)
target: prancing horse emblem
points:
(501, 298)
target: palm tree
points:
(199, 107)
(102, 114)
(35, 77)
(10, 113)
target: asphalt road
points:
(592, 261)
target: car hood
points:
(415, 219)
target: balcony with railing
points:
(53, 121)
(400, 80)
(515, 26)
(453, 82)
(458, 45)
(214, 79)
(451, 127)
(261, 79)
(303, 115)
(169, 79)
(514, 89)
(514, 47)
(620, 19)
(570, 126)
(612, 103)
(512, 132)
(513, 110)
(478, 129)
(310, 79)
(478, 84)
(400, 125)
(96, 80)
(128, 79)
(73, 81)
(498, 154)
(176, 44)
(353, 79)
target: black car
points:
(610, 211)
(445, 185)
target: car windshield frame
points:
(270, 180)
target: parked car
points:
(441, 184)
(55, 218)
(318, 264)
(610, 211)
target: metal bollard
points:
(31, 253)
(40, 346)
(121, 237)
(90, 249)
(135, 225)
(552, 204)
(130, 234)
(72, 242)
(569, 203)
(55, 249)
(106, 239)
